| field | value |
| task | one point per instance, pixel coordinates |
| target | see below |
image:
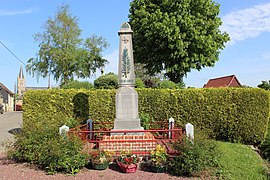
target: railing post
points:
(171, 127)
(63, 130)
(190, 131)
(89, 126)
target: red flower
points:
(126, 160)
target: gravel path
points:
(11, 171)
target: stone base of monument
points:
(127, 117)
(139, 143)
(124, 127)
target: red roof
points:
(227, 81)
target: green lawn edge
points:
(239, 161)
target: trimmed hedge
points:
(228, 114)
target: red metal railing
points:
(106, 126)
(139, 142)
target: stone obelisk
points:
(127, 117)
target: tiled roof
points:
(227, 81)
(5, 88)
(36, 88)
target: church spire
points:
(21, 73)
(21, 82)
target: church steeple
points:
(21, 88)
(21, 73)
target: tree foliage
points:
(78, 85)
(63, 53)
(177, 35)
(264, 85)
(107, 81)
(139, 83)
(167, 84)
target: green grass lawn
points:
(238, 162)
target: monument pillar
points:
(127, 117)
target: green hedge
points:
(228, 114)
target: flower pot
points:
(127, 168)
(100, 166)
(157, 169)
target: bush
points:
(167, 84)
(227, 114)
(78, 85)
(194, 157)
(265, 146)
(145, 120)
(107, 81)
(56, 106)
(152, 83)
(48, 150)
(139, 83)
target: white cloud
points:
(266, 56)
(113, 61)
(11, 13)
(247, 23)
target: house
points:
(6, 98)
(226, 81)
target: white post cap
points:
(63, 130)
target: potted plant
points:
(100, 159)
(158, 159)
(128, 162)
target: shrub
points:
(107, 81)
(139, 83)
(145, 120)
(159, 156)
(48, 150)
(227, 114)
(78, 85)
(194, 157)
(151, 83)
(265, 146)
(167, 84)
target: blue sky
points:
(247, 55)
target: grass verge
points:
(240, 162)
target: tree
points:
(176, 35)
(167, 84)
(63, 53)
(78, 85)
(107, 81)
(265, 85)
(139, 83)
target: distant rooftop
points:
(37, 88)
(5, 88)
(226, 81)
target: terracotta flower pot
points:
(127, 168)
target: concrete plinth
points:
(127, 117)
